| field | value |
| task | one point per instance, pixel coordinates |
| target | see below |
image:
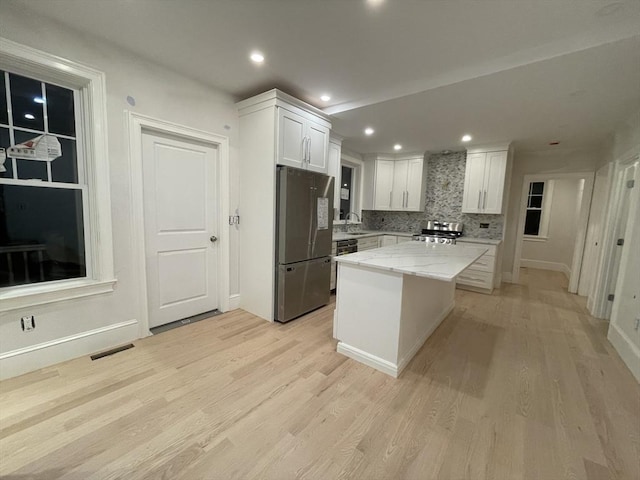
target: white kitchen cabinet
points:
(482, 275)
(385, 240)
(333, 168)
(484, 181)
(276, 129)
(302, 142)
(367, 243)
(394, 183)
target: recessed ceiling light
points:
(257, 57)
(369, 131)
(29, 116)
(397, 146)
(38, 99)
(466, 138)
(375, 3)
(325, 98)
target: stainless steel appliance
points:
(304, 222)
(434, 231)
(343, 247)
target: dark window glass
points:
(41, 235)
(345, 191)
(4, 113)
(535, 201)
(537, 188)
(25, 95)
(29, 169)
(5, 143)
(60, 114)
(532, 222)
(64, 168)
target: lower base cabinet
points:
(481, 276)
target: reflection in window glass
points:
(26, 102)
(60, 114)
(6, 143)
(41, 234)
(346, 180)
(65, 168)
(4, 113)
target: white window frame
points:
(356, 186)
(90, 83)
(547, 196)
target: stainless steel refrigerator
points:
(304, 220)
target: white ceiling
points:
(420, 72)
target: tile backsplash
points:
(445, 186)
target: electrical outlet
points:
(28, 323)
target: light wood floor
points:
(520, 384)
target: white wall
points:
(558, 248)
(159, 93)
(529, 163)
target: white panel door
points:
(414, 185)
(318, 147)
(473, 183)
(399, 188)
(180, 210)
(494, 172)
(291, 139)
(383, 185)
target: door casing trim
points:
(136, 125)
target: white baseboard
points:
(542, 265)
(423, 338)
(385, 366)
(371, 360)
(234, 301)
(28, 359)
(629, 352)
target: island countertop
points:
(438, 262)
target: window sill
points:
(13, 298)
(350, 222)
(535, 239)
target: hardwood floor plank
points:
(521, 384)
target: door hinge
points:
(234, 219)
(610, 297)
(620, 242)
(631, 183)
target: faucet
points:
(346, 218)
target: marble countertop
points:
(486, 241)
(366, 233)
(439, 262)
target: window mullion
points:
(12, 137)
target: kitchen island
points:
(390, 300)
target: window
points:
(55, 221)
(42, 201)
(347, 179)
(537, 213)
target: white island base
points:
(383, 317)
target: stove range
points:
(434, 232)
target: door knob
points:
(213, 238)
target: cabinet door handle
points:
(390, 195)
(406, 203)
(479, 198)
(304, 149)
(484, 203)
(309, 150)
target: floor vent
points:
(185, 321)
(112, 351)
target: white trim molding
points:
(136, 125)
(629, 353)
(17, 362)
(91, 84)
(543, 265)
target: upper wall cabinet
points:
(394, 183)
(303, 141)
(485, 180)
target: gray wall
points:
(445, 186)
